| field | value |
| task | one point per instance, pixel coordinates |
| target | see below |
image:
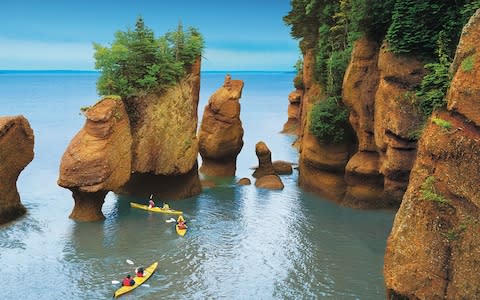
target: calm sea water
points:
(243, 243)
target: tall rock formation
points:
(294, 99)
(16, 152)
(321, 166)
(221, 132)
(165, 144)
(98, 159)
(378, 87)
(265, 174)
(433, 249)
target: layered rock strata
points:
(16, 152)
(98, 159)
(292, 124)
(432, 251)
(221, 132)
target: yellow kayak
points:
(156, 209)
(138, 281)
(181, 232)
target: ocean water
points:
(242, 243)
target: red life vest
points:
(127, 282)
(139, 274)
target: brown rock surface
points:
(164, 139)
(292, 124)
(271, 182)
(98, 158)
(360, 84)
(432, 251)
(16, 152)
(221, 132)
(244, 181)
(282, 167)
(265, 166)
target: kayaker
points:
(127, 281)
(139, 271)
(151, 204)
(181, 223)
(166, 206)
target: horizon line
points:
(97, 71)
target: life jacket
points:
(139, 274)
(128, 282)
(181, 225)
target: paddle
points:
(171, 220)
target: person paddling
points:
(151, 204)
(127, 281)
(139, 271)
(181, 223)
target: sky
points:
(58, 34)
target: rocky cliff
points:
(432, 251)
(16, 152)
(221, 132)
(98, 159)
(321, 165)
(372, 172)
(165, 144)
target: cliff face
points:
(432, 251)
(321, 166)
(98, 159)
(16, 152)
(376, 90)
(164, 140)
(292, 125)
(221, 132)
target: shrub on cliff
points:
(137, 63)
(328, 120)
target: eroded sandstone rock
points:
(98, 159)
(221, 132)
(16, 152)
(432, 251)
(265, 166)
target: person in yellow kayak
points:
(151, 204)
(181, 223)
(165, 206)
(128, 281)
(139, 271)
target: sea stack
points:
(98, 159)
(16, 152)
(221, 132)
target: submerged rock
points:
(221, 132)
(16, 152)
(271, 182)
(244, 181)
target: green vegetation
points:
(426, 29)
(467, 63)
(327, 121)
(429, 193)
(138, 63)
(442, 123)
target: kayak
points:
(138, 281)
(181, 232)
(156, 209)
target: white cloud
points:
(218, 59)
(31, 55)
(23, 54)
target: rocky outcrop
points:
(282, 167)
(378, 88)
(244, 181)
(265, 174)
(432, 251)
(221, 132)
(270, 182)
(292, 124)
(265, 166)
(16, 152)
(98, 159)
(321, 166)
(165, 144)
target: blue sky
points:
(56, 34)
